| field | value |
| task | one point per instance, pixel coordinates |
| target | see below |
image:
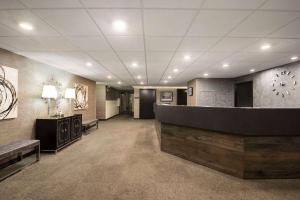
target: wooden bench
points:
(17, 148)
(89, 124)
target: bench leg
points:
(97, 124)
(37, 151)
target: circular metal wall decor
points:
(284, 83)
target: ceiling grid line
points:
(108, 42)
(182, 38)
(144, 39)
(65, 37)
(224, 36)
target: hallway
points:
(122, 160)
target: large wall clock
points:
(284, 83)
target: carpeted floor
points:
(122, 160)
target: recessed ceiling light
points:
(119, 82)
(134, 64)
(88, 64)
(187, 57)
(175, 70)
(139, 77)
(225, 65)
(265, 47)
(26, 26)
(205, 74)
(109, 77)
(165, 81)
(252, 70)
(169, 77)
(142, 83)
(119, 25)
(294, 58)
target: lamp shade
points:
(49, 91)
(70, 93)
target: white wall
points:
(111, 108)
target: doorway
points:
(147, 100)
(126, 105)
(243, 94)
(181, 97)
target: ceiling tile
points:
(104, 55)
(94, 43)
(55, 43)
(167, 22)
(277, 45)
(172, 3)
(112, 3)
(216, 22)
(292, 30)
(127, 43)
(197, 43)
(52, 3)
(22, 43)
(69, 21)
(232, 4)
(12, 18)
(105, 18)
(233, 44)
(282, 5)
(262, 23)
(6, 31)
(162, 43)
(10, 4)
(178, 59)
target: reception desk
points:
(244, 142)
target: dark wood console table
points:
(56, 133)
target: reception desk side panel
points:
(218, 151)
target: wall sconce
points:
(49, 92)
(70, 94)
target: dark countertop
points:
(239, 121)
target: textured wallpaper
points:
(32, 74)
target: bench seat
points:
(16, 149)
(89, 124)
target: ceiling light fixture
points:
(88, 64)
(169, 77)
(109, 77)
(252, 70)
(294, 58)
(225, 65)
(142, 83)
(26, 26)
(265, 47)
(119, 82)
(134, 64)
(139, 77)
(165, 81)
(119, 25)
(187, 57)
(175, 70)
(205, 74)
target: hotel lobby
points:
(149, 99)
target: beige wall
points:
(32, 75)
(100, 101)
(136, 104)
(192, 100)
(174, 102)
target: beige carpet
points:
(122, 160)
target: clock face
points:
(284, 83)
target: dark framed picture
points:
(190, 91)
(166, 96)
